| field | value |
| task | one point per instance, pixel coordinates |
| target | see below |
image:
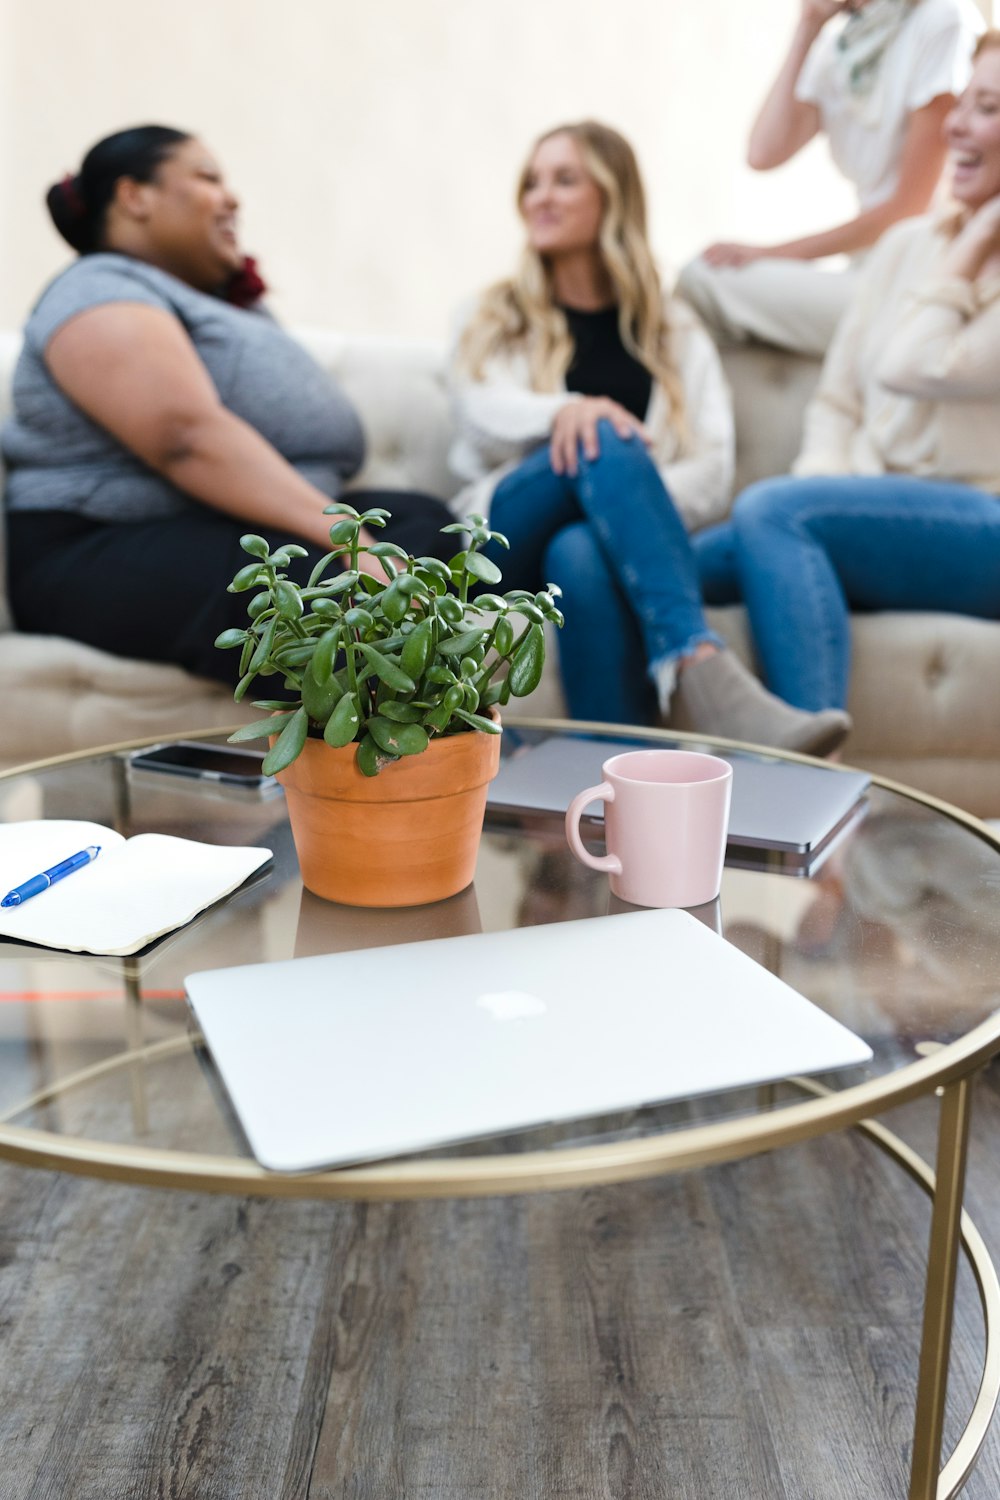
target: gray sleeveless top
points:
(58, 459)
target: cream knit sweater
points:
(911, 384)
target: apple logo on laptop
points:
(511, 1005)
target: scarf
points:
(861, 47)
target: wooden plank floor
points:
(748, 1333)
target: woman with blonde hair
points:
(877, 78)
(894, 501)
(595, 426)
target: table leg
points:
(939, 1297)
(133, 1041)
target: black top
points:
(601, 365)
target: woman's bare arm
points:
(920, 167)
(132, 369)
(784, 123)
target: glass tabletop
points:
(893, 932)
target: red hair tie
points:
(246, 286)
(71, 196)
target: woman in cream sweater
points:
(893, 502)
(594, 424)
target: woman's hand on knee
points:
(730, 253)
(575, 426)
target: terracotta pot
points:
(404, 837)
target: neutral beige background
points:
(375, 144)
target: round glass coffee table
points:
(892, 929)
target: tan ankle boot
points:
(717, 695)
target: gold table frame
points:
(949, 1072)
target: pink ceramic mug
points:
(666, 816)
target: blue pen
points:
(41, 882)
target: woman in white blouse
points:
(893, 503)
(594, 425)
(879, 88)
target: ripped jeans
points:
(612, 540)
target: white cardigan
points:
(500, 420)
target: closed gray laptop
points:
(779, 805)
(354, 1056)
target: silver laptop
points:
(350, 1057)
(776, 805)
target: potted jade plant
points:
(388, 735)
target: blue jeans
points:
(612, 540)
(803, 553)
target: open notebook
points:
(349, 1057)
(136, 890)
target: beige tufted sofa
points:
(926, 688)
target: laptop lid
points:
(350, 1057)
(779, 805)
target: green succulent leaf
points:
(288, 744)
(477, 721)
(323, 657)
(319, 698)
(462, 644)
(433, 567)
(341, 584)
(288, 599)
(388, 549)
(295, 655)
(397, 739)
(344, 531)
(503, 636)
(247, 578)
(495, 603)
(417, 649)
(527, 662)
(255, 545)
(482, 568)
(450, 610)
(264, 646)
(387, 671)
(394, 604)
(261, 729)
(438, 718)
(401, 713)
(370, 758)
(529, 609)
(342, 725)
(230, 638)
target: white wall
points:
(375, 144)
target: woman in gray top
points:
(159, 414)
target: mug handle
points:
(603, 793)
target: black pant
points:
(156, 590)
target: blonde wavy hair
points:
(521, 313)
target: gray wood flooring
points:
(748, 1333)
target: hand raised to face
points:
(817, 12)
